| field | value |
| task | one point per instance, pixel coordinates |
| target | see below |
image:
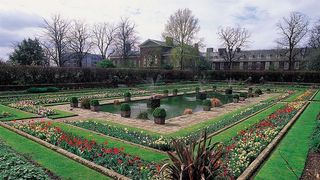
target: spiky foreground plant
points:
(198, 160)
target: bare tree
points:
(79, 41)
(183, 27)
(314, 40)
(292, 31)
(126, 38)
(103, 38)
(233, 39)
(55, 42)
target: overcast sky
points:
(21, 19)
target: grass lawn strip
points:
(16, 113)
(49, 159)
(293, 148)
(233, 131)
(145, 154)
(61, 114)
(317, 96)
(294, 96)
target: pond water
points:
(174, 106)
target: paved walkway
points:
(172, 125)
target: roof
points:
(156, 42)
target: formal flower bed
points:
(164, 143)
(242, 149)
(30, 106)
(110, 157)
(305, 96)
(15, 166)
(158, 142)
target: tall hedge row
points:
(28, 75)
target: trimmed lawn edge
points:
(72, 156)
(251, 169)
(22, 114)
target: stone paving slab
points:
(172, 125)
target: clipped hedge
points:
(29, 76)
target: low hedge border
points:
(74, 157)
(253, 167)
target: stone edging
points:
(72, 156)
(311, 98)
(253, 167)
(117, 139)
(241, 120)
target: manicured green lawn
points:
(61, 114)
(293, 148)
(145, 154)
(231, 132)
(55, 162)
(317, 96)
(16, 114)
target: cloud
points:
(16, 20)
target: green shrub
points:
(125, 107)
(127, 94)
(159, 113)
(165, 91)
(42, 89)
(197, 89)
(243, 94)
(94, 102)
(214, 87)
(105, 64)
(258, 91)
(228, 91)
(175, 91)
(85, 103)
(74, 100)
(206, 103)
(235, 96)
(143, 115)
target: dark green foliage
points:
(315, 139)
(105, 64)
(175, 91)
(198, 159)
(94, 102)
(206, 103)
(235, 96)
(127, 94)
(85, 103)
(228, 91)
(15, 166)
(258, 91)
(214, 87)
(159, 113)
(167, 67)
(201, 95)
(143, 115)
(243, 94)
(125, 107)
(28, 52)
(42, 89)
(166, 91)
(74, 100)
(197, 89)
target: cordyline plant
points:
(198, 160)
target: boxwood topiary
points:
(125, 107)
(228, 91)
(175, 91)
(165, 91)
(206, 103)
(74, 100)
(94, 102)
(159, 113)
(127, 94)
(258, 91)
(235, 96)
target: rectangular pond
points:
(174, 106)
